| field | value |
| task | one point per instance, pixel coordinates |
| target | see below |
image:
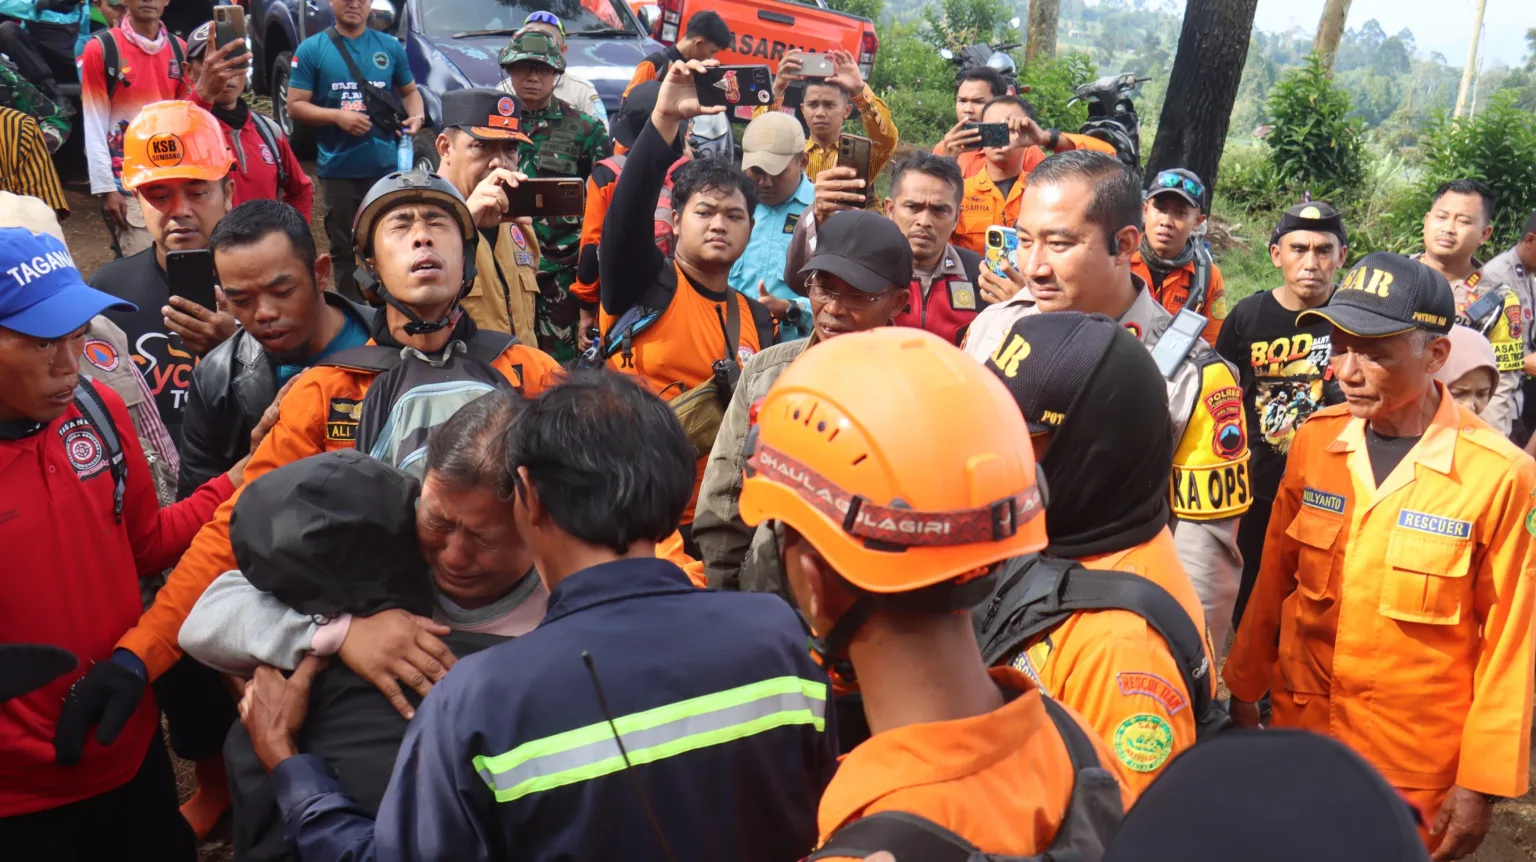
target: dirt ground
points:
(1513, 838)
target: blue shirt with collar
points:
(721, 710)
(772, 229)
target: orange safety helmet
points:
(174, 141)
(902, 460)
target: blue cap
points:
(41, 292)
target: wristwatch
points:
(1055, 140)
(793, 315)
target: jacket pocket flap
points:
(1315, 529)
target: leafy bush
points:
(1315, 143)
(917, 84)
(1498, 146)
(1248, 181)
(1052, 83)
(954, 24)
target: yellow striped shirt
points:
(26, 167)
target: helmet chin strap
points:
(417, 325)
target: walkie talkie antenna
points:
(602, 701)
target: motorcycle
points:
(996, 57)
(1112, 116)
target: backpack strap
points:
(1202, 279)
(269, 135)
(906, 835)
(88, 402)
(1037, 594)
(487, 345)
(110, 60)
(1079, 747)
(365, 357)
(732, 326)
(1095, 807)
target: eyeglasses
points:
(855, 300)
(1171, 180)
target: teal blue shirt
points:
(772, 229)
(352, 334)
(319, 69)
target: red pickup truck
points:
(763, 30)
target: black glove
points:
(108, 694)
(28, 667)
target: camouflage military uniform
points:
(564, 143)
(19, 94)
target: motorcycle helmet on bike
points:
(1003, 63)
(396, 190)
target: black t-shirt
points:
(1005, 186)
(164, 361)
(1386, 452)
(1281, 368)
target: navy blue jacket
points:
(720, 707)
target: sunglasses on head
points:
(542, 17)
(1171, 180)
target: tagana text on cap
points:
(1388, 294)
(41, 292)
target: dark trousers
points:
(1250, 541)
(342, 198)
(198, 709)
(43, 53)
(138, 822)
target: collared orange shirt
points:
(999, 780)
(317, 415)
(1174, 292)
(972, 161)
(1398, 619)
(985, 205)
(1116, 671)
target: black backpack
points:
(114, 65)
(1087, 826)
(414, 393)
(94, 410)
(1035, 594)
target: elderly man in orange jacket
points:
(1393, 609)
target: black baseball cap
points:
(634, 113)
(333, 533)
(1315, 216)
(1046, 360)
(1388, 294)
(865, 249)
(485, 114)
(1178, 181)
(1195, 813)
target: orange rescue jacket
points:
(1174, 292)
(318, 415)
(1000, 780)
(1116, 671)
(983, 206)
(1398, 619)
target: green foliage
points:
(917, 84)
(1052, 81)
(954, 24)
(1315, 142)
(871, 9)
(1248, 182)
(1498, 147)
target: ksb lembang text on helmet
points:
(904, 462)
(174, 141)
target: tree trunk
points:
(1213, 47)
(1471, 68)
(1043, 15)
(1330, 29)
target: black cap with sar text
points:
(1045, 361)
(1388, 294)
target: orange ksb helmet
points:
(174, 141)
(905, 462)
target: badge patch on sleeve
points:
(1143, 742)
(1153, 686)
(1315, 499)
(101, 354)
(1434, 524)
(1032, 659)
(85, 450)
(341, 421)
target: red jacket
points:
(70, 578)
(953, 300)
(256, 165)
